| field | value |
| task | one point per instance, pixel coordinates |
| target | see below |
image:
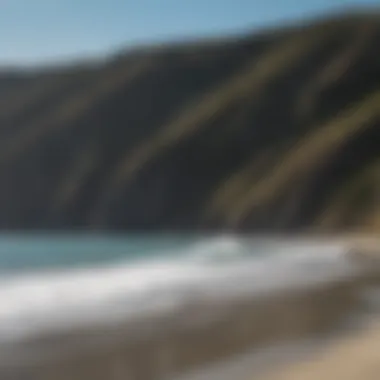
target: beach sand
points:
(197, 337)
(170, 346)
(356, 357)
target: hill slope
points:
(273, 131)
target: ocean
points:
(83, 306)
(58, 281)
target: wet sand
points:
(356, 357)
(169, 346)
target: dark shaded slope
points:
(262, 132)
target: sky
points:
(41, 31)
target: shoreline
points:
(201, 334)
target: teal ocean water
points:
(38, 252)
(50, 281)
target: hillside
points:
(275, 131)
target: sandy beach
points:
(356, 357)
(193, 338)
(208, 329)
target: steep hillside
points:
(274, 131)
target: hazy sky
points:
(44, 30)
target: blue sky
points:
(34, 31)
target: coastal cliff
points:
(271, 131)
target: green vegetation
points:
(277, 130)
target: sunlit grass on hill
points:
(234, 133)
(308, 154)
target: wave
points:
(217, 267)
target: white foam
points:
(218, 267)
